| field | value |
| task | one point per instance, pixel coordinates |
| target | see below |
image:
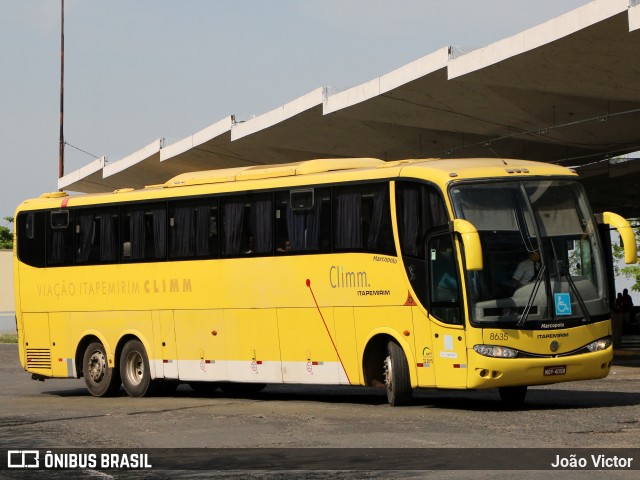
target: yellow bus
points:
(447, 274)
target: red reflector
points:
(420, 364)
(259, 362)
(456, 365)
(314, 363)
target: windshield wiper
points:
(534, 292)
(574, 289)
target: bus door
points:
(445, 312)
(165, 343)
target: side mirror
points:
(626, 234)
(471, 241)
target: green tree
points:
(629, 271)
(6, 236)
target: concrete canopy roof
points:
(566, 92)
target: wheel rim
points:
(97, 366)
(134, 368)
(388, 375)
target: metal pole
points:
(61, 145)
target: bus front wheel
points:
(396, 376)
(134, 369)
(101, 380)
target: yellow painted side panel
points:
(203, 338)
(252, 335)
(449, 355)
(61, 346)
(303, 334)
(311, 346)
(345, 338)
(423, 341)
(164, 340)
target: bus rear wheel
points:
(396, 376)
(134, 369)
(513, 396)
(101, 380)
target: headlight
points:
(600, 344)
(495, 351)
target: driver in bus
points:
(526, 270)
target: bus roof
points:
(439, 171)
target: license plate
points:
(558, 370)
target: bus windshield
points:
(541, 256)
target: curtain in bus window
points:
(261, 226)
(107, 238)
(85, 224)
(296, 228)
(203, 221)
(56, 255)
(377, 216)
(182, 245)
(557, 209)
(410, 220)
(160, 232)
(490, 208)
(314, 218)
(437, 210)
(136, 233)
(348, 220)
(233, 218)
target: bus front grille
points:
(38, 358)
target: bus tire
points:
(101, 380)
(396, 376)
(134, 370)
(513, 396)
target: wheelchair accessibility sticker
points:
(563, 303)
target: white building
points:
(7, 302)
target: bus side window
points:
(362, 218)
(31, 235)
(85, 235)
(420, 211)
(347, 218)
(282, 214)
(107, 222)
(232, 226)
(193, 229)
(261, 224)
(247, 225)
(144, 234)
(60, 236)
(305, 220)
